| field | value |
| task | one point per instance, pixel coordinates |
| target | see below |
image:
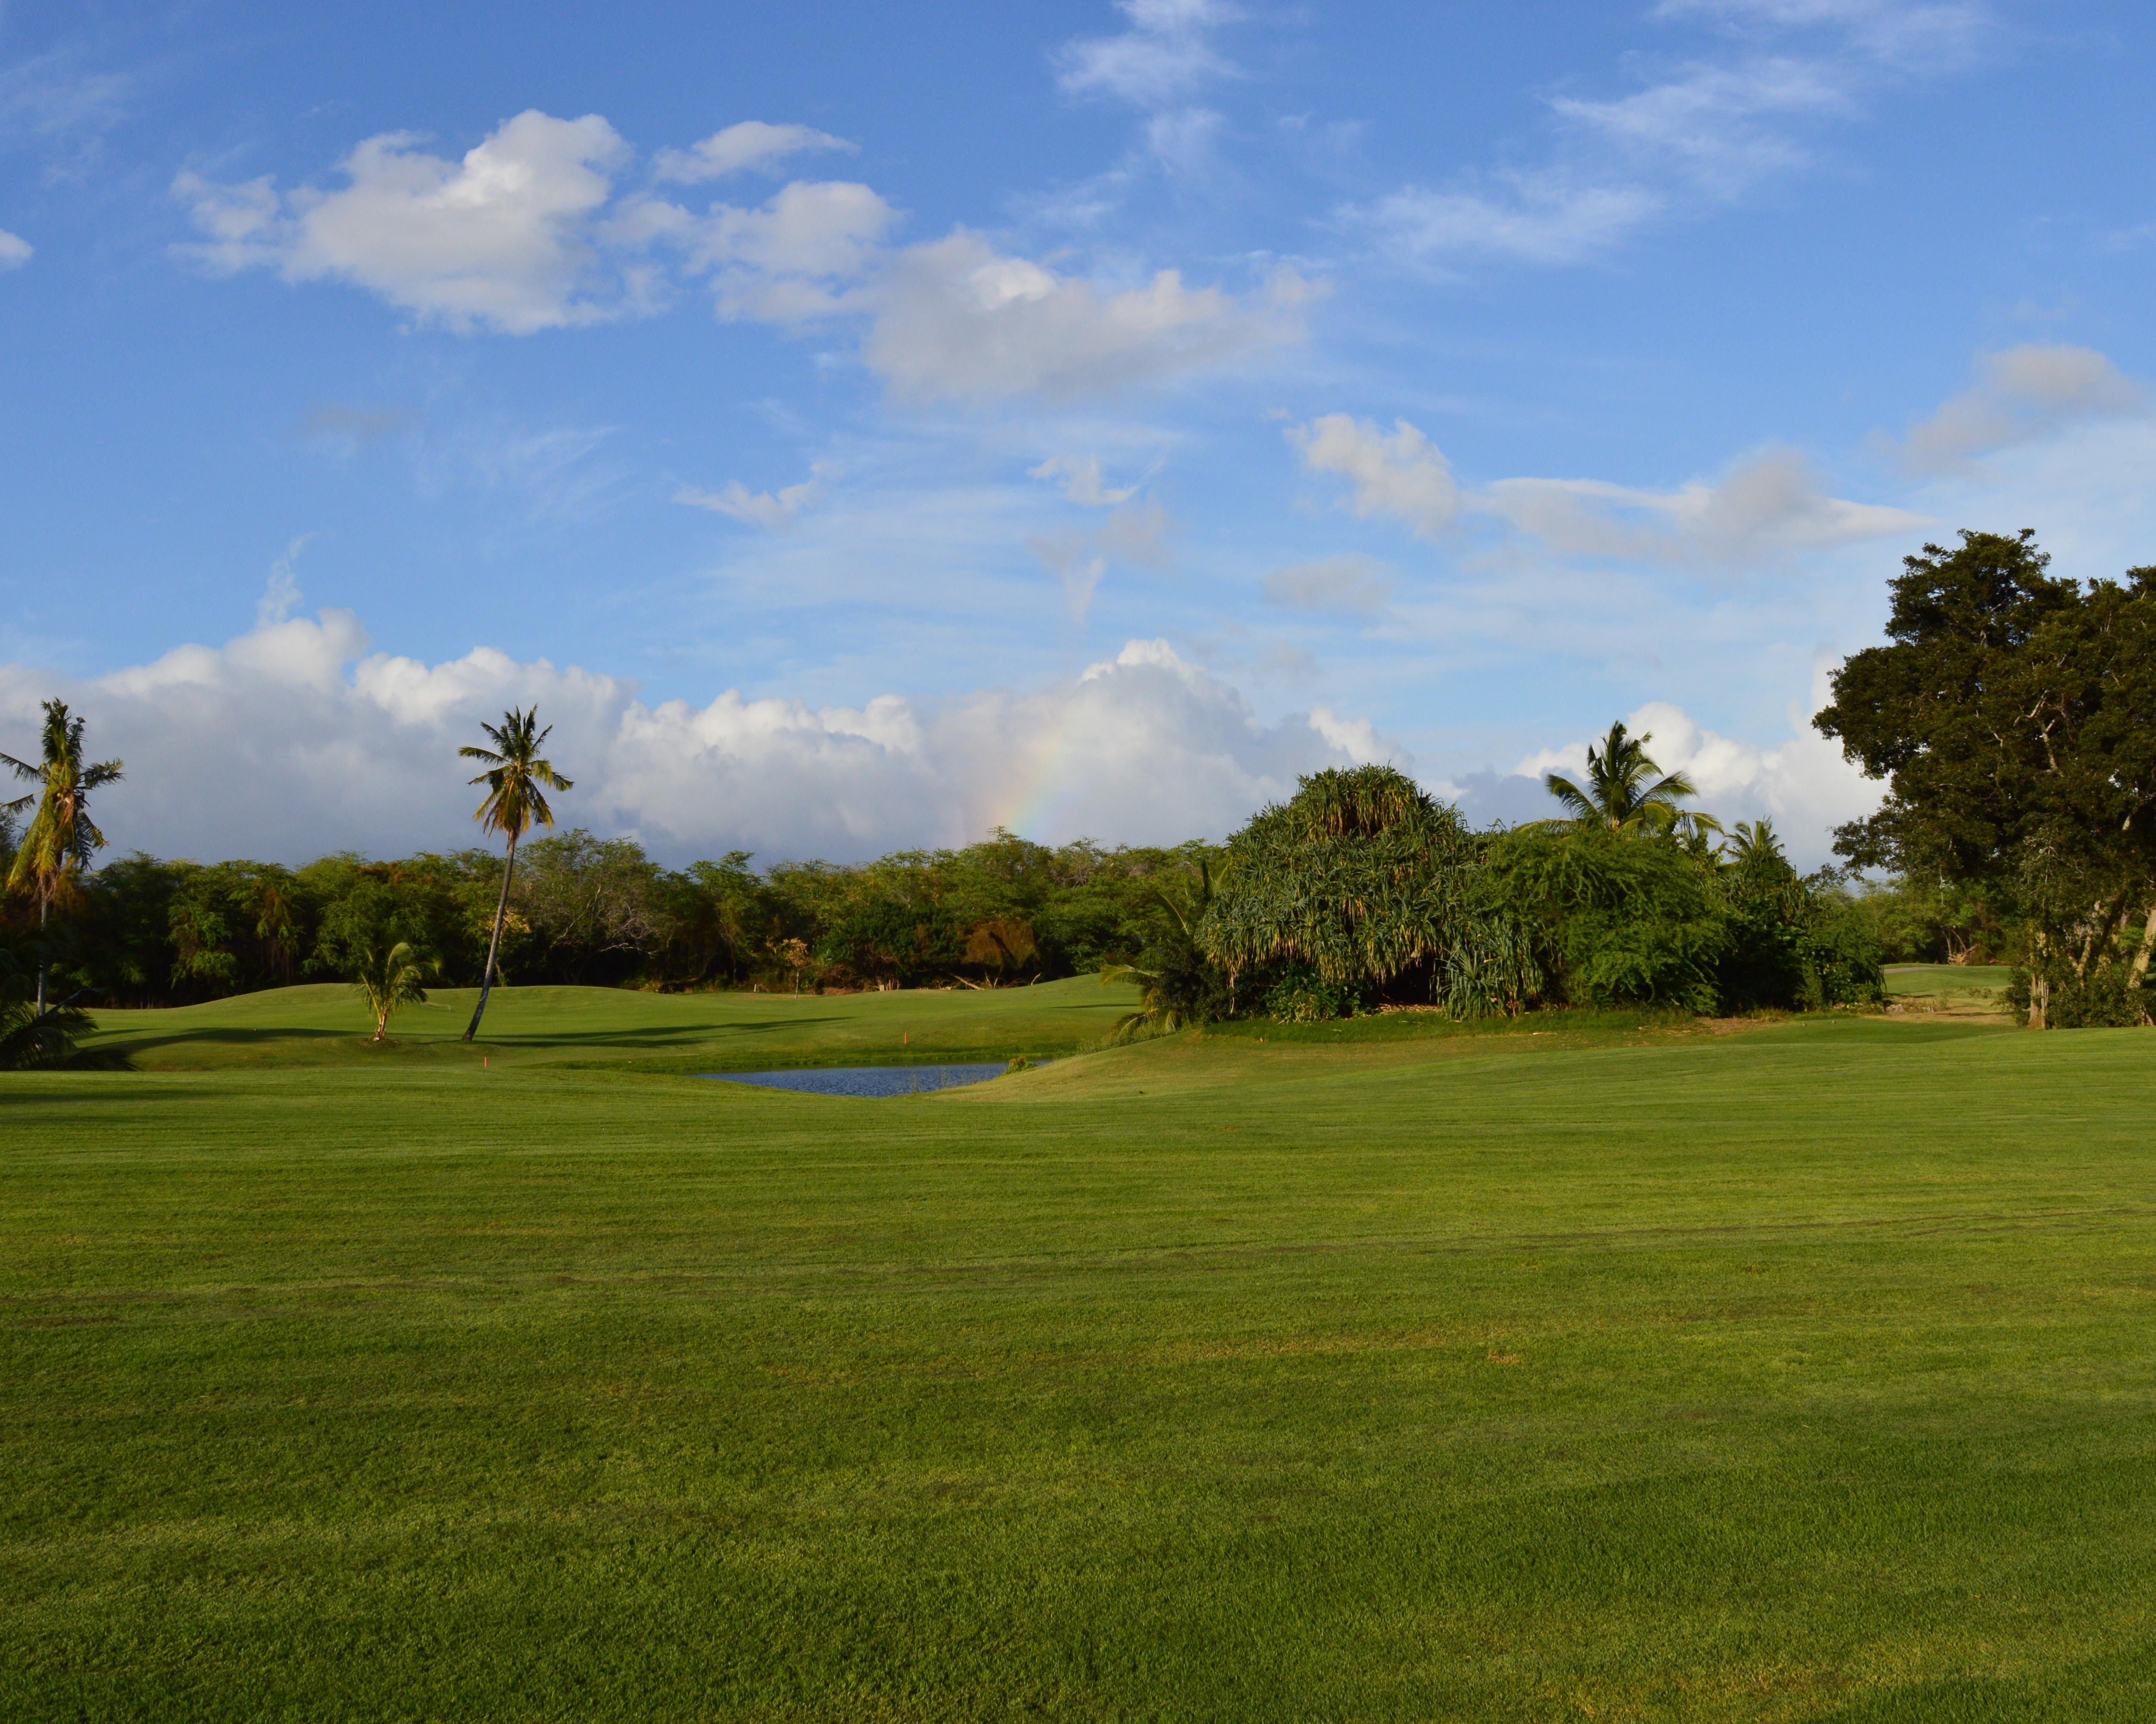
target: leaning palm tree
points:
(517, 780)
(61, 836)
(386, 980)
(1625, 790)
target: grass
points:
(1950, 990)
(1626, 1371)
(326, 1024)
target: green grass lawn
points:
(1617, 1370)
(327, 1024)
(1953, 990)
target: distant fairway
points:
(1593, 1367)
(327, 1024)
(1951, 990)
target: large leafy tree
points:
(517, 780)
(1625, 791)
(57, 846)
(2009, 712)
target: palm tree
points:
(517, 780)
(1171, 994)
(61, 834)
(389, 979)
(1623, 791)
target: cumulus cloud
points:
(752, 143)
(15, 251)
(1081, 480)
(2021, 394)
(1167, 51)
(1802, 784)
(1401, 473)
(295, 739)
(1767, 506)
(802, 254)
(499, 238)
(1348, 585)
(524, 233)
(774, 513)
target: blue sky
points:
(858, 425)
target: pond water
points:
(867, 1079)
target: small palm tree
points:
(61, 837)
(517, 780)
(389, 979)
(1171, 994)
(1625, 790)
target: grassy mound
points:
(325, 1025)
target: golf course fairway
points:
(1584, 1367)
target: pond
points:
(867, 1079)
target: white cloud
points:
(1165, 52)
(1802, 784)
(50, 105)
(1700, 136)
(1064, 556)
(1889, 30)
(1403, 474)
(280, 593)
(1767, 506)
(295, 740)
(1346, 584)
(772, 513)
(1538, 218)
(802, 255)
(1770, 505)
(1081, 480)
(15, 251)
(752, 143)
(956, 320)
(501, 238)
(1079, 558)
(524, 234)
(2023, 393)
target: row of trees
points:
(582, 910)
(2006, 712)
(1363, 891)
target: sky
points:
(858, 427)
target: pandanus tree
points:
(57, 845)
(1366, 880)
(516, 780)
(1625, 791)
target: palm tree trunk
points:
(493, 944)
(44, 910)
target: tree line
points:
(2005, 712)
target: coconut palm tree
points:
(516, 780)
(61, 836)
(1625, 790)
(389, 979)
